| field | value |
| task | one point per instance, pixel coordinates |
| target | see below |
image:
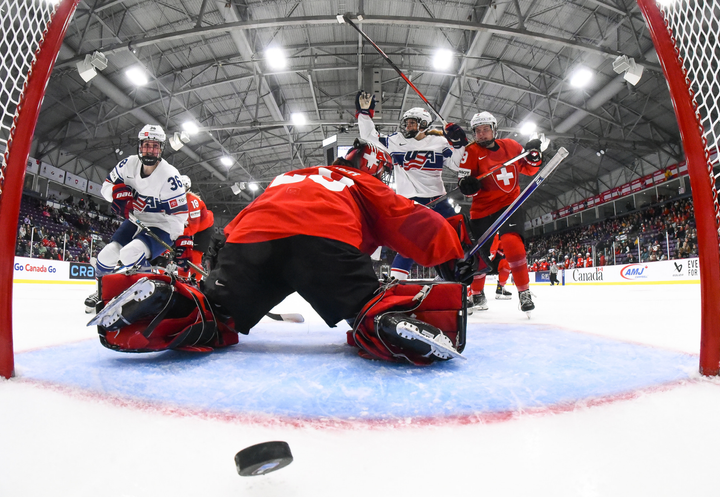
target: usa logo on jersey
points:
(417, 159)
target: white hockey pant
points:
(135, 252)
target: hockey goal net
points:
(32, 33)
(685, 35)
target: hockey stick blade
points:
(290, 318)
(536, 182)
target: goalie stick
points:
(290, 317)
(510, 210)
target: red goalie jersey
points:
(348, 206)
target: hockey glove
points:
(455, 135)
(465, 269)
(534, 153)
(183, 251)
(364, 104)
(122, 200)
(469, 185)
(210, 258)
(460, 270)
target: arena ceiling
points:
(207, 62)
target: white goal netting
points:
(23, 28)
(694, 27)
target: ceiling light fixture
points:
(442, 61)
(275, 58)
(190, 127)
(227, 161)
(528, 128)
(298, 118)
(137, 76)
(581, 77)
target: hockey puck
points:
(263, 458)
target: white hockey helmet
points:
(423, 118)
(186, 182)
(152, 132)
(482, 118)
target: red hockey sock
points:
(517, 260)
(503, 271)
(477, 285)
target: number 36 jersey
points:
(349, 206)
(159, 200)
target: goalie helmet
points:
(186, 182)
(421, 116)
(151, 132)
(483, 118)
(371, 158)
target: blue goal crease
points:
(278, 372)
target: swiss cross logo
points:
(505, 179)
(173, 203)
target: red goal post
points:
(685, 35)
(32, 34)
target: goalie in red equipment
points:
(194, 241)
(326, 223)
(494, 193)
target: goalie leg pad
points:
(153, 312)
(436, 306)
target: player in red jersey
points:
(191, 245)
(312, 231)
(497, 256)
(494, 193)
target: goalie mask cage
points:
(32, 33)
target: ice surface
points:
(81, 420)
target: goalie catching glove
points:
(122, 202)
(183, 251)
(364, 104)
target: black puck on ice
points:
(263, 458)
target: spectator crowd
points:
(62, 230)
(658, 232)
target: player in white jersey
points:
(150, 187)
(418, 159)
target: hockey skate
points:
(91, 302)
(418, 336)
(526, 304)
(480, 301)
(501, 293)
(469, 305)
(129, 306)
